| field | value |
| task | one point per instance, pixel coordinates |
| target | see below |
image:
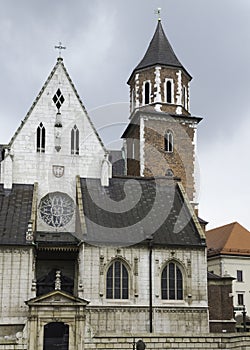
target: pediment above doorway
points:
(57, 298)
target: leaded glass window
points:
(172, 282)
(117, 281)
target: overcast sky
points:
(106, 39)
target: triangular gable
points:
(59, 63)
(56, 297)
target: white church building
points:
(86, 251)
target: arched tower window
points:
(146, 92)
(169, 141)
(75, 140)
(117, 281)
(172, 282)
(185, 97)
(169, 91)
(40, 138)
(132, 100)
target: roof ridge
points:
(222, 226)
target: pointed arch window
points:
(147, 91)
(172, 282)
(117, 281)
(169, 85)
(75, 140)
(169, 141)
(40, 138)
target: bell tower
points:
(160, 139)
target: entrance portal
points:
(56, 336)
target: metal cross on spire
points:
(158, 12)
(59, 47)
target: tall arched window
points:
(117, 281)
(185, 97)
(40, 138)
(169, 91)
(172, 282)
(75, 140)
(146, 92)
(169, 141)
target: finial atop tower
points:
(158, 12)
(59, 47)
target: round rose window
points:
(56, 209)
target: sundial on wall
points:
(56, 209)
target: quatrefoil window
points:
(58, 99)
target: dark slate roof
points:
(213, 276)
(15, 213)
(159, 52)
(56, 238)
(118, 162)
(133, 210)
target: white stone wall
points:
(228, 265)
(29, 166)
(15, 284)
(185, 315)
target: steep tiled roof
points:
(56, 238)
(159, 52)
(132, 210)
(231, 239)
(15, 212)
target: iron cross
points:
(60, 48)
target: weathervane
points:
(59, 47)
(158, 12)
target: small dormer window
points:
(40, 138)
(75, 140)
(169, 90)
(146, 93)
(169, 142)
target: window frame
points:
(240, 299)
(144, 92)
(170, 290)
(40, 138)
(239, 274)
(185, 97)
(116, 291)
(171, 81)
(75, 140)
(169, 141)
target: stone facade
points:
(210, 341)
(23, 164)
(158, 99)
(108, 315)
(146, 154)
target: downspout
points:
(150, 288)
